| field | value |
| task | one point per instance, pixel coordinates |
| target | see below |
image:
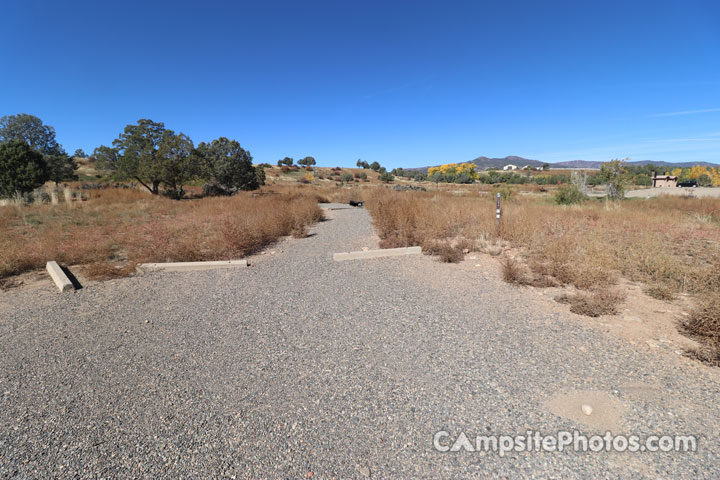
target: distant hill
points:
(639, 163)
(484, 163)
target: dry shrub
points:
(514, 272)
(703, 325)
(594, 304)
(299, 231)
(661, 292)
(517, 273)
(447, 252)
(704, 320)
(706, 353)
(465, 244)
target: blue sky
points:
(405, 83)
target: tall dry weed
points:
(118, 227)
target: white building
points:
(510, 166)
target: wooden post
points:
(497, 213)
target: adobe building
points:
(666, 180)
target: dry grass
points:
(115, 229)
(447, 252)
(659, 241)
(8, 283)
(515, 272)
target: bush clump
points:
(570, 195)
(599, 302)
(445, 250)
(704, 326)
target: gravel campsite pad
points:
(302, 367)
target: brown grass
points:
(119, 228)
(659, 241)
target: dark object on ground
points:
(213, 189)
(417, 188)
(688, 183)
(353, 203)
(104, 185)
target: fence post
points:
(497, 213)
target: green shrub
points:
(505, 192)
(569, 195)
(22, 169)
(386, 177)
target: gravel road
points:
(302, 367)
(676, 191)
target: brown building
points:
(664, 180)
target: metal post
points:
(497, 213)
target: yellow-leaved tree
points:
(455, 169)
(697, 171)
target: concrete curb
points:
(190, 266)
(61, 280)
(387, 252)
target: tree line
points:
(305, 162)
(157, 157)
(147, 152)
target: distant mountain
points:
(483, 163)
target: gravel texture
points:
(303, 367)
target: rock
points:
(364, 471)
(587, 409)
(365, 249)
